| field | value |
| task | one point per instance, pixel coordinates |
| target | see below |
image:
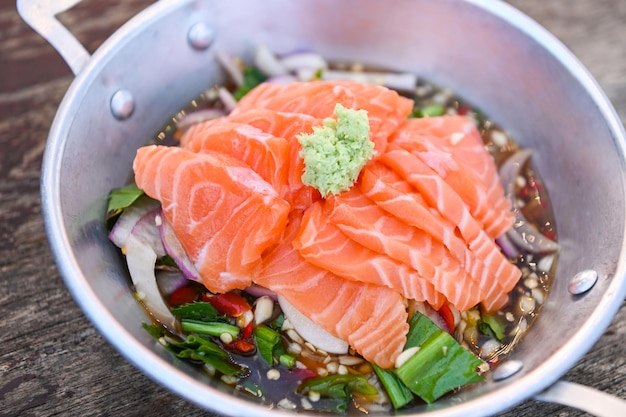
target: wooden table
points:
(52, 361)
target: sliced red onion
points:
(431, 313)
(310, 331)
(396, 81)
(170, 281)
(138, 235)
(303, 60)
(523, 234)
(509, 249)
(258, 291)
(147, 231)
(129, 218)
(175, 249)
(227, 99)
(199, 116)
(230, 66)
(267, 62)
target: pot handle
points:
(41, 16)
(584, 398)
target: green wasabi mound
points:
(335, 153)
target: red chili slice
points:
(447, 316)
(241, 346)
(184, 295)
(230, 304)
(246, 333)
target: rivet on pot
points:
(200, 35)
(506, 370)
(583, 281)
(122, 104)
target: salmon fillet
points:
(385, 108)
(224, 214)
(264, 153)
(371, 318)
(322, 244)
(452, 146)
(287, 126)
(440, 196)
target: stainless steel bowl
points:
(484, 50)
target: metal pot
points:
(482, 49)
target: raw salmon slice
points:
(439, 195)
(287, 126)
(322, 244)
(362, 220)
(224, 214)
(264, 153)
(398, 198)
(453, 147)
(371, 318)
(385, 108)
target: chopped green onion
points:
(288, 360)
(210, 328)
(266, 341)
(339, 386)
(397, 392)
(197, 348)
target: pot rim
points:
(188, 387)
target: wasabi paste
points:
(335, 153)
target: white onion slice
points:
(199, 116)
(303, 60)
(227, 99)
(396, 81)
(310, 331)
(230, 66)
(141, 258)
(267, 62)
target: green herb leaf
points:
(266, 340)
(338, 386)
(252, 77)
(196, 311)
(121, 198)
(430, 110)
(154, 330)
(491, 326)
(441, 363)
